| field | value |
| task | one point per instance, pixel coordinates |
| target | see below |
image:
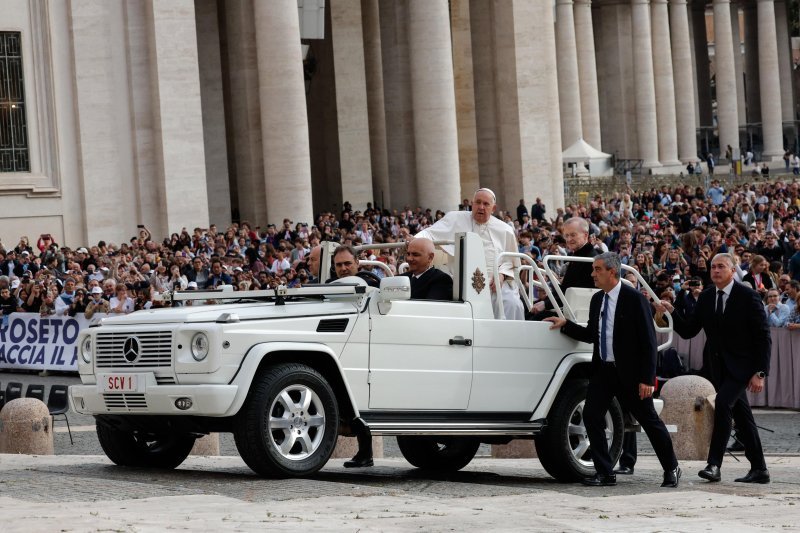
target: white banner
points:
(32, 342)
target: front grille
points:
(165, 380)
(125, 402)
(155, 349)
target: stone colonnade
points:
(196, 107)
(410, 102)
(653, 70)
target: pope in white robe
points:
(497, 237)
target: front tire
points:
(138, 449)
(563, 447)
(441, 454)
(288, 424)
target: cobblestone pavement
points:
(80, 490)
(86, 493)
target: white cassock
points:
(497, 237)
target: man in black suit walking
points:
(427, 282)
(737, 352)
(624, 364)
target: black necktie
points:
(719, 306)
(603, 317)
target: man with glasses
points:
(777, 312)
(198, 273)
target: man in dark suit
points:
(624, 365)
(427, 282)
(737, 352)
(578, 274)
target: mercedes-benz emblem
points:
(130, 349)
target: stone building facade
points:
(181, 113)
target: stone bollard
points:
(346, 447)
(686, 406)
(516, 449)
(26, 427)
(207, 445)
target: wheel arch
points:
(577, 365)
(318, 356)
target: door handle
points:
(460, 341)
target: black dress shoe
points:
(737, 446)
(755, 475)
(624, 470)
(671, 478)
(711, 473)
(600, 480)
(359, 462)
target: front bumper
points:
(207, 400)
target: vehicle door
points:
(420, 355)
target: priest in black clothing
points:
(578, 274)
(427, 282)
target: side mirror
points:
(395, 288)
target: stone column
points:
(587, 72)
(727, 105)
(645, 95)
(179, 122)
(433, 97)
(213, 101)
(569, 96)
(664, 85)
(702, 63)
(347, 39)
(373, 67)
(397, 95)
(771, 123)
(738, 61)
(615, 80)
(785, 65)
(486, 114)
(105, 139)
(287, 165)
(465, 96)
(684, 85)
(751, 64)
(243, 113)
(527, 103)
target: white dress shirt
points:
(609, 300)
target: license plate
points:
(121, 382)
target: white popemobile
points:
(286, 371)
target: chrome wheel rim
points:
(296, 422)
(579, 439)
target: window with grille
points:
(13, 125)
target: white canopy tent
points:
(581, 152)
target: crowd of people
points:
(669, 234)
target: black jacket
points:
(742, 342)
(577, 274)
(634, 338)
(433, 284)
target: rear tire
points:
(441, 454)
(563, 447)
(138, 449)
(288, 424)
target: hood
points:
(249, 311)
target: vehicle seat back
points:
(578, 299)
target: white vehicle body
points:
(405, 367)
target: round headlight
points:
(199, 346)
(86, 349)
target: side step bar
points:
(456, 428)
